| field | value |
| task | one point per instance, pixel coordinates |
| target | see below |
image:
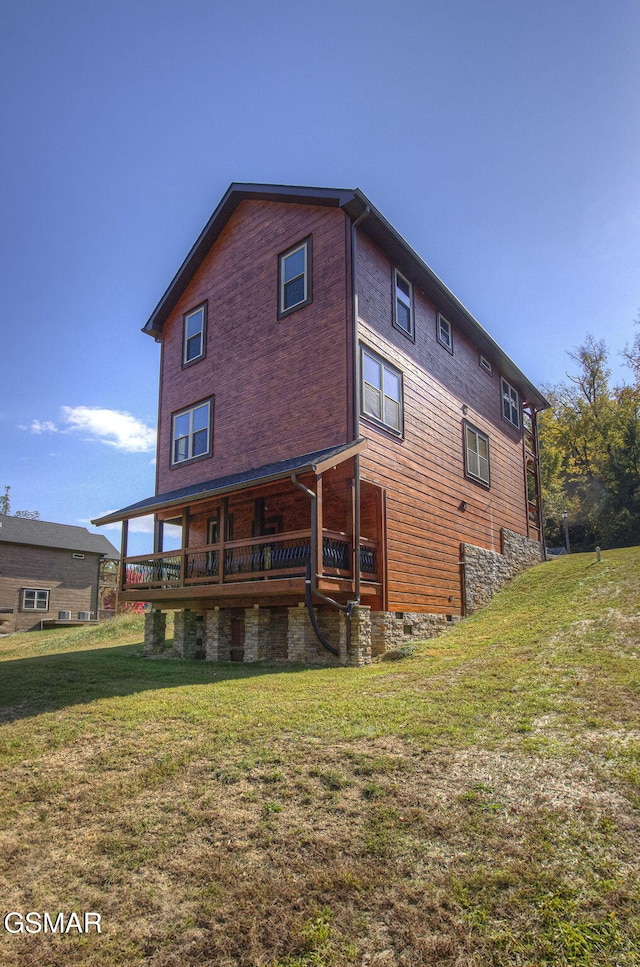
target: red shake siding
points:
(280, 386)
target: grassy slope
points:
(477, 803)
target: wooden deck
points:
(273, 566)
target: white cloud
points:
(43, 426)
(114, 428)
(137, 525)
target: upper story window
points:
(476, 454)
(35, 599)
(510, 404)
(381, 398)
(194, 335)
(191, 433)
(402, 304)
(445, 333)
(486, 365)
(294, 278)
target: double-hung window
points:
(381, 391)
(476, 453)
(445, 333)
(194, 335)
(294, 278)
(510, 404)
(191, 433)
(402, 304)
(35, 599)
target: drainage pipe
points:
(311, 583)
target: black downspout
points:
(356, 390)
(312, 616)
(310, 580)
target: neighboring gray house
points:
(49, 573)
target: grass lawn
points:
(476, 803)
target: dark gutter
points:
(316, 463)
(355, 203)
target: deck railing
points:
(252, 559)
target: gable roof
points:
(43, 533)
(317, 461)
(356, 204)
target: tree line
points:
(590, 451)
(5, 507)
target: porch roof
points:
(317, 461)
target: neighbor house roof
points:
(355, 203)
(44, 533)
(317, 461)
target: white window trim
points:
(486, 364)
(509, 394)
(191, 410)
(441, 323)
(397, 431)
(478, 434)
(36, 591)
(410, 331)
(304, 246)
(203, 334)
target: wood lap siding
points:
(280, 386)
(424, 473)
(71, 581)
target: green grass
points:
(476, 802)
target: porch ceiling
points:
(317, 462)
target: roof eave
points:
(327, 461)
(408, 260)
(236, 193)
(355, 203)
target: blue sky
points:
(501, 138)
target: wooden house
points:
(49, 573)
(351, 457)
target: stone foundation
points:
(390, 630)
(304, 645)
(485, 572)
(185, 638)
(286, 634)
(155, 626)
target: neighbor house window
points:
(191, 433)
(35, 599)
(402, 304)
(510, 404)
(194, 335)
(445, 333)
(381, 391)
(476, 452)
(294, 278)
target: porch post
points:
(184, 544)
(319, 548)
(222, 532)
(123, 553)
(158, 536)
(356, 526)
